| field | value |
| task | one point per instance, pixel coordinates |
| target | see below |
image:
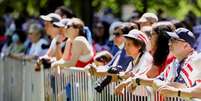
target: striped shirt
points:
(180, 72)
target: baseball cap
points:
(136, 34)
(35, 28)
(62, 23)
(113, 26)
(150, 17)
(51, 17)
(183, 33)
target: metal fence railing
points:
(1, 80)
(19, 82)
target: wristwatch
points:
(179, 93)
(137, 80)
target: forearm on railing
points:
(194, 92)
(145, 82)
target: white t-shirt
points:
(36, 48)
(143, 66)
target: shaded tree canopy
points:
(174, 8)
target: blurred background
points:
(86, 9)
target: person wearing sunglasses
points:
(78, 52)
(119, 62)
(177, 73)
(55, 36)
(192, 92)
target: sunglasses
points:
(74, 26)
(55, 26)
(117, 34)
(176, 39)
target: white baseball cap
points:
(51, 17)
(62, 23)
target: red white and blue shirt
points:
(180, 71)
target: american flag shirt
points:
(179, 71)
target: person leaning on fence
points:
(192, 92)
(17, 46)
(56, 36)
(178, 72)
(67, 13)
(38, 45)
(78, 52)
(119, 62)
(120, 58)
(160, 48)
(135, 47)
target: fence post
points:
(90, 87)
(1, 79)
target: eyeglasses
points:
(55, 26)
(74, 26)
(173, 40)
(116, 34)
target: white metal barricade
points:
(1, 80)
(160, 98)
(33, 83)
(75, 84)
(12, 84)
(19, 82)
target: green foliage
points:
(67, 2)
(98, 4)
(174, 8)
(31, 6)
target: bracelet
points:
(179, 93)
(137, 80)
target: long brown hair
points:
(78, 23)
(162, 49)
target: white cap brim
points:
(129, 36)
(46, 18)
(59, 24)
(173, 35)
(142, 20)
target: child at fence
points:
(178, 72)
(136, 42)
(78, 52)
